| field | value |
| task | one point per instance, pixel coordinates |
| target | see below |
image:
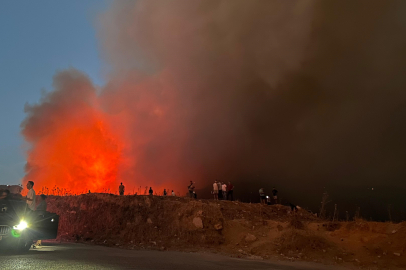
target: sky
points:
(38, 38)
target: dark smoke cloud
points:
(303, 95)
(212, 62)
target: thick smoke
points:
(298, 94)
(190, 74)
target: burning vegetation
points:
(74, 148)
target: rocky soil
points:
(232, 228)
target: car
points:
(20, 227)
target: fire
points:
(73, 147)
(88, 156)
(77, 158)
(81, 140)
(178, 102)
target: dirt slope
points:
(232, 228)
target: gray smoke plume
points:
(303, 95)
(213, 68)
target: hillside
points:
(232, 228)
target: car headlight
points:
(22, 226)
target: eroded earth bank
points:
(232, 228)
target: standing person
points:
(42, 206)
(165, 192)
(30, 198)
(173, 193)
(220, 194)
(121, 189)
(216, 191)
(262, 195)
(275, 195)
(191, 188)
(41, 210)
(224, 189)
(230, 191)
(151, 192)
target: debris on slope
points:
(137, 219)
(234, 228)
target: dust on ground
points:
(232, 228)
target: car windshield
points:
(12, 206)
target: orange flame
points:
(77, 146)
(73, 147)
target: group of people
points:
(121, 189)
(165, 193)
(222, 191)
(267, 199)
